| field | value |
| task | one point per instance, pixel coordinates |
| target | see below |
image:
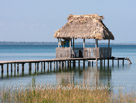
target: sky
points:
(37, 20)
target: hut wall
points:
(63, 52)
(97, 52)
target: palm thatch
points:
(84, 26)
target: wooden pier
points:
(62, 63)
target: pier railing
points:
(97, 52)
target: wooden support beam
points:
(2, 68)
(22, 67)
(18, 67)
(78, 63)
(7, 68)
(14, 68)
(11, 68)
(44, 65)
(37, 67)
(83, 64)
(30, 66)
(118, 62)
(112, 62)
(92, 63)
(123, 62)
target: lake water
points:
(117, 76)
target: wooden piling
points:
(2, 68)
(83, 63)
(22, 67)
(37, 66)
(118, 62)
(123, 62)
(11, 68)
(18, 67)
(78, 63)
(30, 66)
(7, 69)
(112, 62)
(44, 66)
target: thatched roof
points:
(84, 26)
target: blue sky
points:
(37, 20)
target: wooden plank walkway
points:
(61, 59)
(54, 64)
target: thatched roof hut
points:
(85, 27)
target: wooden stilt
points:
(7, 69)
(78, 63)
(108, 62)
(2, 68)
(112, 62)
(30, 66)
(14, 68)
(118, 62)
(104, 62)
(92, 63)
(44, 66)
(11, 68)
(123, 62)
(37, 67)
(88, 63)
(17, 68)
(83, 64)
(22, 67)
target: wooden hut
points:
(84, 27)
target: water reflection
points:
(93, 76)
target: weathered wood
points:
(112, 62)
(11, 67)
(63, 52)
(18, 67)
(22, 67)
(83, 63)
(2, 68)
(123, 62)
(97, 52)
(78, 63)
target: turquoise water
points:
(122, 76)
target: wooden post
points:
(44, 66)
(30, 67)
(118, 62)
(41, 66)
(78, 63)
(88, 63)
(58, 43)
(112, 62)
(7, 68)
(54, 66)
(108, 62)
(22, 67)
(109, 43)
(123, 62)
(83, 64)
(96, 43)
(50, 66)
(11, 68)
(104, 62)
(2, 68)
(70, 43)
(83, 43)
(92, 63)
(73, 44)
(37, 66)
(74, 63)
(14, 68)
(17, 67)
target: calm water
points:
(122, 76)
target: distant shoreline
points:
(55, 43)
